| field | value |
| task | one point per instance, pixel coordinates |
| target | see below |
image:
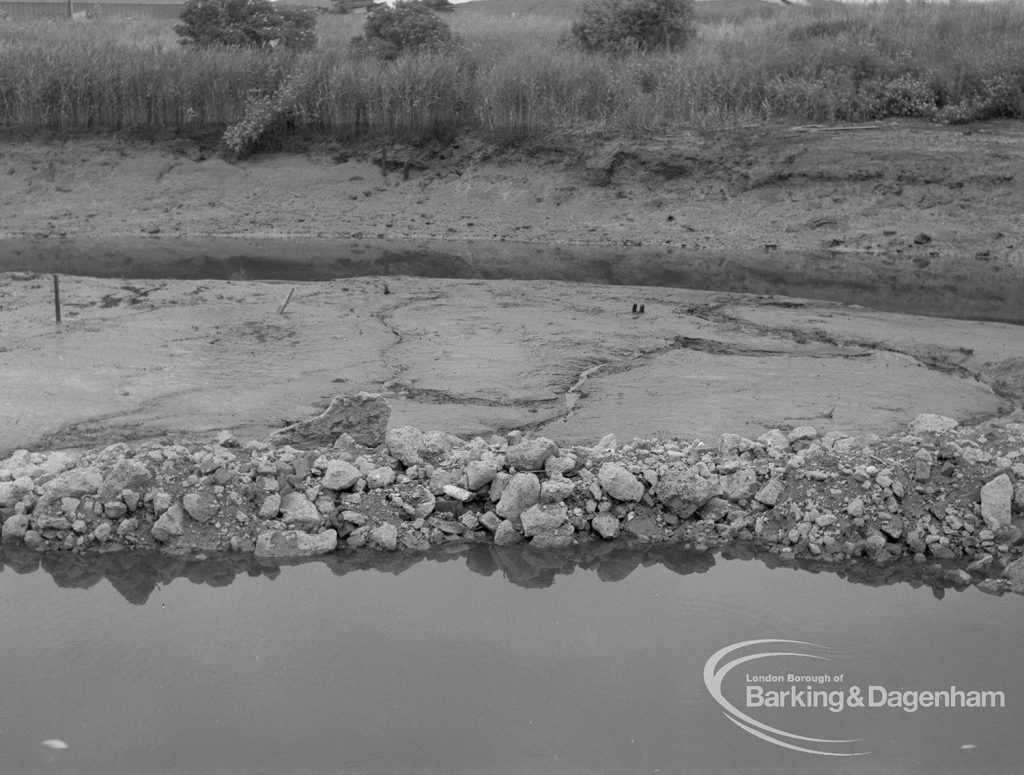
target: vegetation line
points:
(513, 78)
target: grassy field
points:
(513, 77)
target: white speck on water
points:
(967, 746)
(54, 744)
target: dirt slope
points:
(934, 196)
(903, 204)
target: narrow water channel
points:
(888, 283)
(448, 667)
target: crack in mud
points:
(716, 347)
(715, 313)
(381, 316)
(437, 396)
(574, 394)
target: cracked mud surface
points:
(142, 359)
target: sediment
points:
(945, 499)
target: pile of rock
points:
(938, 494)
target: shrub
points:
(250, 23)
(268, 117)
(408, 25)
(619, 26)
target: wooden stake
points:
(56, 298)
(288, 298)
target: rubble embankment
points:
(940, 495)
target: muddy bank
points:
(566, 360)
(908, 198)
(941, 495)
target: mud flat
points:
(145, 359)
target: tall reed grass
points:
(516, 77)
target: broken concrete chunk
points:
(295, 543)
(363, 416)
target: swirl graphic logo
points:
(717, 668)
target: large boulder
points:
(521, 492)
(682, 490)
(412, 447)
(932, 423)
(771, 492)
(775, 441)
(1014, 573)
(555, 538)
(14, 528)
(996, 502)
(740, 485)
(12, 492)
(619, 483)
(538, 519)
(340, 475)
(436, 445)
(606, 526)
(382, 476)
(170, 524)
(297, 510)
(385, 536)
(530, 454)
(295, 543)
(126, 475)
(480, 473)
(73, 484)
(202, 506)
(363, 416)
(506, 534)
(404, 445)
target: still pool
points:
(487, 661)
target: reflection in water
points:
(135, 575)
(426, 669)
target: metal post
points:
(56, 298)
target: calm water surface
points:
(447, 667)
(877, 282)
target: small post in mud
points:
(56, 298)
(288, 298)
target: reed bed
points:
(517, 77)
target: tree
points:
(250, 23)
(620, 26)
(408, 25)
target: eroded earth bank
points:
(771, 422)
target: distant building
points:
(23, 10)
(26, 10)
(355, 5)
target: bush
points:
(248, 23)
(619, 26)
(269, 117)
(408, 25)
